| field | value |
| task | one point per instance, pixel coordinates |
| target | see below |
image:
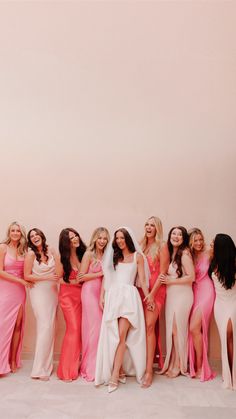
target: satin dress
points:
(70, 302)
(204, 297)
(122, 299)
(91, 321)
(44, 300)
(224, 310)
(12, 297)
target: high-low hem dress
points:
(122, 300)
(179, 300)
(12, 297)
(225, 310)
(204, 296)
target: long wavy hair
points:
(22, 245)
(34, 248)
(223, 261)
(178, 256)
(118, 254)
(65, 250)
(192, 234)
(97, 232)
(156, 247)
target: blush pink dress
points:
(12, 297)
(70, 302)
(204, 297)
(91, 322)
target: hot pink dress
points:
(12, 297)
(70, 302)
(91, 322)
(159, 300)
(204, 297)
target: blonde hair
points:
(156, 247)
(192, 234)
(22, 245)
(95, 236)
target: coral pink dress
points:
(91, 322)
(70, 302)
(204, 297)
(12, 297)
(160, 297)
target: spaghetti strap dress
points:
(122, 299)
(225, 310)
(91, 321)
(44, 300)
(204, 297)
(12, 297)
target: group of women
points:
(111, 294)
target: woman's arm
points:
(6, 275)
(83, 274)
(188, 268)
(102, 296)
(164, 264)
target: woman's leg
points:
(196, 332)
(230, 344)
(123, 325)
(174, 366)
(150, 320)
(16, 340)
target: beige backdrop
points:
(115, 110)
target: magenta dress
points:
(12, 297)
(204, 297)
(70, 302)
(91, 322)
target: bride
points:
(122, 341)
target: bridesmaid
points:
(91, 276)
(156, 252)
(179, 300)
(40, 264)
(12, 297)
(222, 271)
(204, 296)
(72, 249)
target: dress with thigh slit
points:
(179, 300)
(12, 297)
(225, 310)
(204, 296)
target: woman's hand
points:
(27, 284)
(149, 301)
(165, 279)
(101, 301)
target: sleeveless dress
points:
(44, 300)
(122, 300)
(179, 300)
(12, 297)
(91, 321)
(224, 310)
(70, 302)
(204, 296)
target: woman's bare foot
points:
(46, 378)
(147, 381)
(174, 373)
(198, 374)
(13, 367)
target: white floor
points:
(180, 398)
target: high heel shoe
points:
(112, 386)
(122, 378)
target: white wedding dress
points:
(122, 299)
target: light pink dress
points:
(12, 297)
(91, 322)
(204, 297)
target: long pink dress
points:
(70, 302)
(204, 297)
(12, 297)
(91, 322)
(160, 297)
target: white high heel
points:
(112, 386)
(122, 378)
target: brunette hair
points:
(181, 248)
(65, 250)
(118, 254)
(34, 248)
(22, 245)
(223, 261)
(156, 247)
